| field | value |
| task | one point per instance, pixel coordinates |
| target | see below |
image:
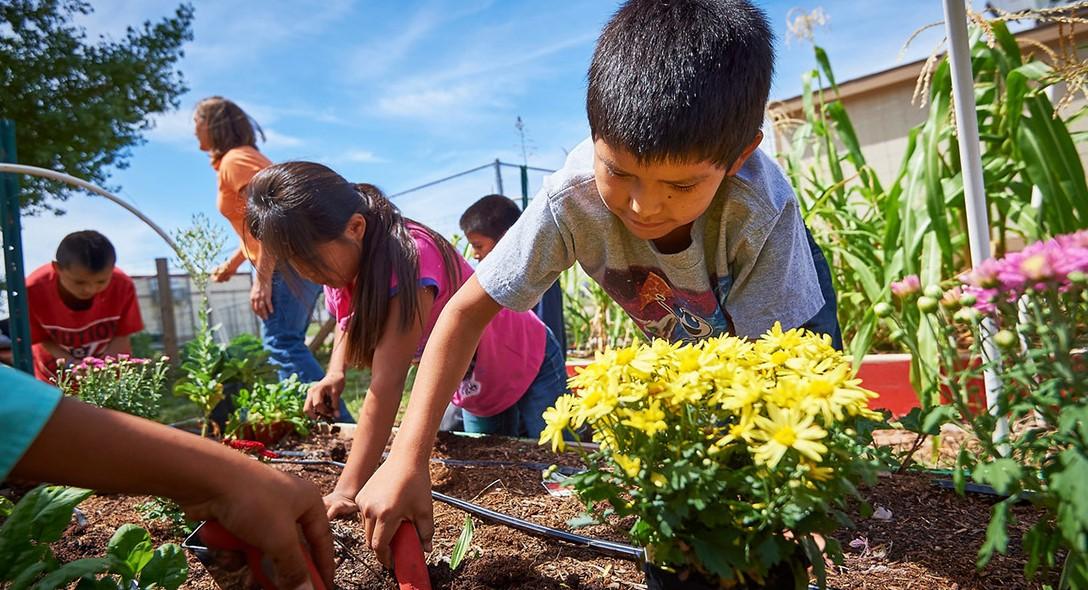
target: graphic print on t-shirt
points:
(663, 311)
(86, 340)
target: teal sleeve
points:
(25, 406)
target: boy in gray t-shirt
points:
(669, 206)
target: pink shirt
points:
(511, 348)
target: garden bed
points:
(930, 541)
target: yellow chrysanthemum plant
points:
(731, 453)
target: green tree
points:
(79, 106)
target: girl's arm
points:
(225, 271)
(113, 452)
(388, 372)
(401, 488)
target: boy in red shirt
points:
(80, 304)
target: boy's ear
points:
(747, 153)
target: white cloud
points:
(275, 139)
(360, 157)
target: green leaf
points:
(1003, 475)
(463, 543)
(167, 569)
(6, 506)
(816, 558)
(997, 537)
(70, 572)
(959, 479)
(1069, 485)
(30, 573)
(131, 546)
(581, 521)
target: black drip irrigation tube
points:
(609, 548)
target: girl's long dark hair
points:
(296, 206)
(228, 126)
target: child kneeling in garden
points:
(386, 280)
(669, 206)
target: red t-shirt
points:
(112, 313)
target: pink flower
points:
(984, 276)
(908, 286)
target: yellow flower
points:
(650, 420)
(742, 430)
(629, 465)
(817, 473)
(658, 480)
(557, 419)
(785, 429)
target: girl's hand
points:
(224, 272)
(260, 296)
(323, 397)
(339, 505)
(395, 493)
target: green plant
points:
(1025, 319)
(915, 223)
(594, 321)
(40, 518)
(265, 404)
(123, 383)
(167, 511)
(199, 248)
(731, 454)
(464, 541)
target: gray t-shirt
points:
(748, 265)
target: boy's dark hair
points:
(491, 216)
(88, 249)
(681, 80)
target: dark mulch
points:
(930, 542)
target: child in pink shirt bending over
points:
(386, 281)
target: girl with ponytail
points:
(386, 280)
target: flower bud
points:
(967, 315)
(933, 291)
(1026, 328)
(927, 304)
(1005, 339)
(882, 310)
(1077, 277)
(897, 335)
(968, 300)
(1043, 330)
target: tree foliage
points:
(79, 106)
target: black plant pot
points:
(781, 577)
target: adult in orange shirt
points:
(229, 136)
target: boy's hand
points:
(339, 505)
(265, 508)
(323, 397)
(395, 493)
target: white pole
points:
(79, 182)
(974, 193)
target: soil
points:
(929, 542)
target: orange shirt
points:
(235, 169)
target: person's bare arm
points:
(392, 359)
(119, 345)
(113, 452)
(56, 352)
(225, 271)
(401, 488)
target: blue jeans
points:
(284, 332)
(526, 417)
(826, 321)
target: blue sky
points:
(401, 92)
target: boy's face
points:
(481, 244)
(79, 282)
(657, 201)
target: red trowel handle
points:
(408, 564)
(215, 536)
